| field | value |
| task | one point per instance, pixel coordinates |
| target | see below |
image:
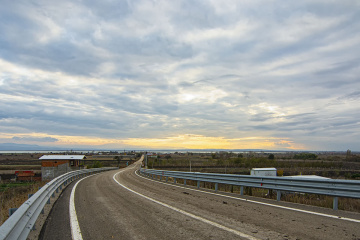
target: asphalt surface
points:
(153, 210)
(57, 225)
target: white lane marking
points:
(262, 203)
(243, 235)
(74, 224)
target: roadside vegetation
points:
(96, 164)
(13, 195)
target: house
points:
(53, 166)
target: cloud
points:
(35, 139)
(158, 70)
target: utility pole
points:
(146, 160)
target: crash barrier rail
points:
(22, 221)
(331, 187)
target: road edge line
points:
(74, 223)
(243, 235)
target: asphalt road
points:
(126, 206)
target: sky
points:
(276, 75)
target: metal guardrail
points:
(331, 187)
(19, 224)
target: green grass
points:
(5, 186)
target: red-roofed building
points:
(26, 176)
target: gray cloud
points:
(141, 69)
(35, 139)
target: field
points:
(326, 164)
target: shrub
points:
(96, 164)
(356, 175)
(305, 156)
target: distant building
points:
(53, 166)
(27, 176)
(263, 172)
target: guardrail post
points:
(174, 179)
(30, 195)
(167, 178)
(335, 203)
(160, 178)
(278, 195)
(185, 182)
(241, 190)
(198, 184)
(48, 201)
(11, 211)
(216, 187)
(53, 194)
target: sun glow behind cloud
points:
(185, 141)
(190, 141)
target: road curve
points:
(121, 205)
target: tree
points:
(271, 156)
(348, 154)
(118, 160)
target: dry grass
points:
(14, 196)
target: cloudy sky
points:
(181, 74)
